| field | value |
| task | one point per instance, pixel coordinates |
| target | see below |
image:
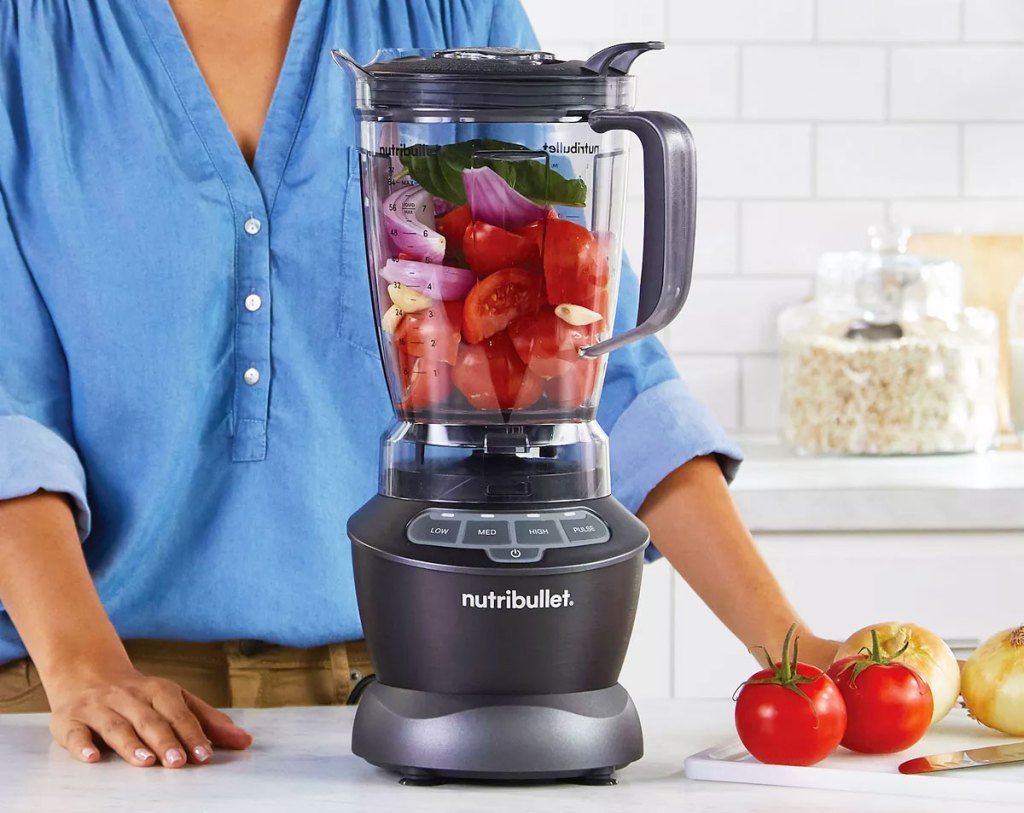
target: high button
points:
(252, 226)
(253, 302)
(251, 376)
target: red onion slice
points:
(430, 279)
(409, 223)
(493, 201)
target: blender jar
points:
(493, 190)
(887, 360)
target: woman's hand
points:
(145, 720)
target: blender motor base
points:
(429, 738)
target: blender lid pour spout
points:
(619, 57)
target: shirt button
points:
(251, 376)
(253, 302)
(252, 226)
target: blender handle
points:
(670, 196)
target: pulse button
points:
(587, 529)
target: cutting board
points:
(847, 771)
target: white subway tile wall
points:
(814, 119)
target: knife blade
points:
(973, 758)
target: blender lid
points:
(489, 79)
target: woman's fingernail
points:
(202, 753)
(174, 756)
(141, 754)
(89, 754)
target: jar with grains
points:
(886, 360)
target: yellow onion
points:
(993, 682)
(926, 653)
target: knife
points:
(992, 755)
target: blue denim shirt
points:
(132, 231)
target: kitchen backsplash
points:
(814, 119)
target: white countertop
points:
(778, 491)
(301, 762)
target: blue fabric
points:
(210, 509)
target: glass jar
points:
(886, 360)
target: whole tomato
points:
(790, 713)
(889, 705)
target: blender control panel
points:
(508, 537)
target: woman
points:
(190, 394)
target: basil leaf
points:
(439, 171)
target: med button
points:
(536, 532)
(587, 529)
(427, 531)
(487, 534)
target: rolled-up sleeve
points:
(654, 424)
(36, 443)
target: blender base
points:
(429, 737)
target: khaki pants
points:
(241, 674)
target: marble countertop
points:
(778, 491)
(301, 762)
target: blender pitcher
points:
(493, 189)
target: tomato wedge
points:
(497, 299)
(575, 387)
(492, 376)
(425, 382)
(490, 248)
(574, 262)
(549, 346)
(433, 333)
(452, 227)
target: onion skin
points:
(993, 682)
(927, 654)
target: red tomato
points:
(490, 248)
(575, 265)
(452, 227)
(549, 346)
(780, 727)
(498, 299)
(889, 705)
(433, 333)
(492, 376)
(574, 387)
(425, 382)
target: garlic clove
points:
(577, 315)
(392, 316)
(408, 299)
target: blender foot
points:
(419, 778)
(601, 778)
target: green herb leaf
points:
(439, 171)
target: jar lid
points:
(888, 288)
(521, 82)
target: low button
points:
(251, 376)
(253, 302)
(536, 532)
(507, 555)
(588, 529)
(427, 531)
(487, 534)
(252, 226)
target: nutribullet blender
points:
(497, 578)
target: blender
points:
(497, 578)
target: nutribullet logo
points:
(514, 600)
